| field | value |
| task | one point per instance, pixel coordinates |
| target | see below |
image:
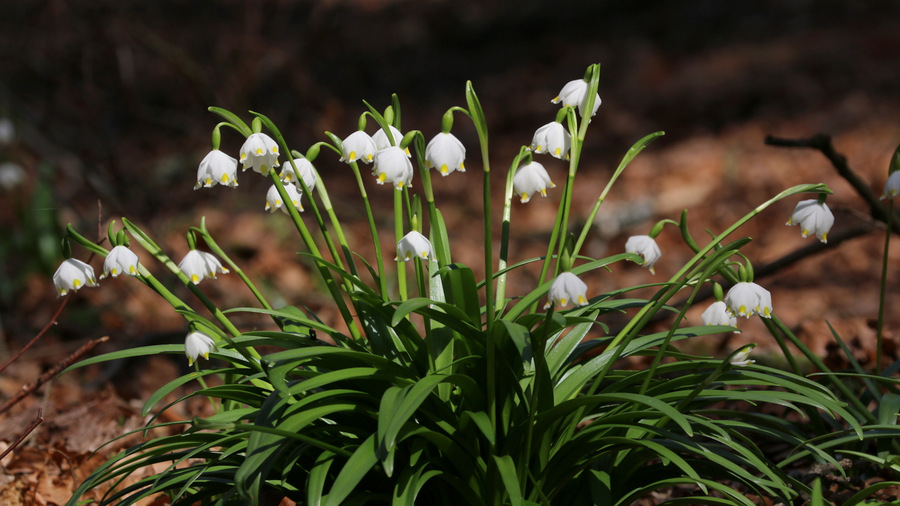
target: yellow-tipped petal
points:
(562, 301)
(582, 300)
(259, 151)
(444, 169)
(382, 177)
(132, 270)
(352, 156)
(195, 278)
(76, 283)
(225, 178)
(557, 151)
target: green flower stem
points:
(250, 354)
(322, 191)
(310, 243)
(882, 296)
(373, 229)
(236, 122)
(477, 114)
(398, 234)
(629, 156)
(503, 260)
(630, 330)
(208, 239)
(657, 358)
(313, 204)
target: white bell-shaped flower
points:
(742, 357)
(645, 247)
(891, 186)
(717, 314)
(747, 299)
(575, 94)
(273, 198)
(567, 288)
(197, 265)
(392, 164)
(260, 153)
(552, 138)
(120, 260)
(198, 344)
(446, 153)
(530, 179)
(813, 218)
(414, 245)
(358, 146)
(73, 274)
(381, 139)
(306, 170)
(217, 168)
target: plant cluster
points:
(447, 389)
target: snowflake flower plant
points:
(567, 287)
(358, 146)
(392, 164)
(813, 217)
(645, 247)
(197, 344)
(73, 274)
(217, 168)
(260, 153)
(446, 153)
(305, 168)
(530, 179)
(197, 265)
(120, 260)
(414, 245)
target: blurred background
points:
(105, 107)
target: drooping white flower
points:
(73, 274)
(742, 358)
(392, 164)
(552, 138)
(11, 175)
(120, 260)
(567, 288)
(259, 152)
(717, 314)
(445, 152)
(358, 146)
(891, 186)
(747, 299)
(306, 169)
(646, 247)
(197, 265)
(813, 218)
(198, 344)
(531, 178)
(575, 93)
(413, 245)
(217, 168)
(381, 139)
(273, 198)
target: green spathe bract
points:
(451, 391)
